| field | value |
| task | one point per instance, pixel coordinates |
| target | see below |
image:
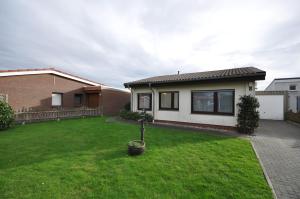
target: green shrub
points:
(248, 115)
(6, 115)
(148, 117)
(128, 115)
(135, 143)
(127, 106)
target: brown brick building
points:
(45, 89)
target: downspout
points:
(153, 102)
(131, 97)
(131, 100)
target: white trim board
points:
(18, 73)
(114, 88)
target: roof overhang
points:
(92, 89)
(260, 76)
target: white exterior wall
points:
(292, 98)
(184, 113)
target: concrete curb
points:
(264, 170)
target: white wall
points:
(284, 85)
(271, 107)
(184, 113)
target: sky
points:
(117, 41)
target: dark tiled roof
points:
(228, 74)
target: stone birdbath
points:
(137, 147)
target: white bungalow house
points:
(205, 99)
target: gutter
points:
(153, 101)
(131, 100)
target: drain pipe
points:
(153, 102)
(131, 100)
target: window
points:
(78, 99)
(213, 102)
(292, 87)
(203, 101)
(144, 101)
(56, 99)
(169, 100)
(225, 101)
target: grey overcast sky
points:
(116, 41)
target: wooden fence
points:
(27, 116)
(295, 117)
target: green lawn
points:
(86, 158)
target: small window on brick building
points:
(292, 87)
(78, 99)
(57, 99)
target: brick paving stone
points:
(277, 144)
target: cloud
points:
(117, 41)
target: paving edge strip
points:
(264, 170)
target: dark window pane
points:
(169, 100)
(292, 87)
(166, 100)
(203, 101)
(78, 99)
(225, 101)
(176, 100)
(144, 101)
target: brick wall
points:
(34, 91)
(113, 101)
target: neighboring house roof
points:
(289, 78)
(270, 92)
(227, 74)
(282, 80)
(6, 73)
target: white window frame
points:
(58, 101)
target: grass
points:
(87, 158)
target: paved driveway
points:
(278, 146)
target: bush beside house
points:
(128, 115)
(248, 115)
(6, 115)
(127, 106)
